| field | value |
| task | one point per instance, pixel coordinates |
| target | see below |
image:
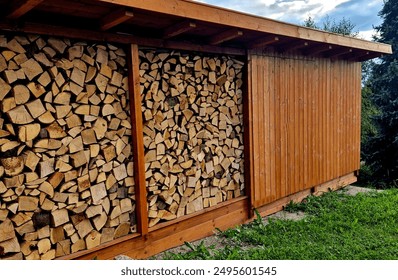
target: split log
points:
(66, 139)
(193, 132)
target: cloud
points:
(362, 13)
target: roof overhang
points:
(178, 24)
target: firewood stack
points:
(66, 174)
(193, 132)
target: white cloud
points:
(362, 13)
(366, 35)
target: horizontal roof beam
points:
(216, 15)
(19, 8)
(222, 37)
(178, 29)
(115, 18)
(75, 33)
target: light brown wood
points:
(59, 217)
(12, 165)
(205, 147)
(35, 108)
(309, 127)
(225, 36)
(27, 203)
(6, 230)
(28, 132)
(115, 18)
(178, 29)
(202, 12)
(20, 115)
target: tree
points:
(383, 156)
(343, 27)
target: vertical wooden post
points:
(138, 141)
(248, 132)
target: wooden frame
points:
(21, 7)
(233, 19)
(138, 144)
(278, 97)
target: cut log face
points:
(193, 132)
(65, 136)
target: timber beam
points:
(178, 29)
(115, 18)
(20, 8)
(263, 42)
(222, 37)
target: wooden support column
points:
(138, 142)
(248, 132)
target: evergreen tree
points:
(383, 156)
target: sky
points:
(362, 13)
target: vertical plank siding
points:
(305, 123)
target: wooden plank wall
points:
(304, 123)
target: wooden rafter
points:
(317, 49)
(368, 56)
(19, 8)
(337, 52)
(178, 29)
(222, 37)
(293, 46)
(260, 43)
(202, 12)
(115, 18)
(355, 55)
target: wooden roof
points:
(179, 24)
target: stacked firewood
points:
(66, 174)
(193, 131)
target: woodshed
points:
(129, 127)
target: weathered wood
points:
(69, 126)
(202, 145)
(27, 203)
(13, 165)
(31, 68)
(6, 230)
(59, 217)
(20, 115)
(28, 132)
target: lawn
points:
(336, 227)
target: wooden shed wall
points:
(304, 123)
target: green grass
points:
(337, 226)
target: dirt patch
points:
(219, 242)
(353, 190)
